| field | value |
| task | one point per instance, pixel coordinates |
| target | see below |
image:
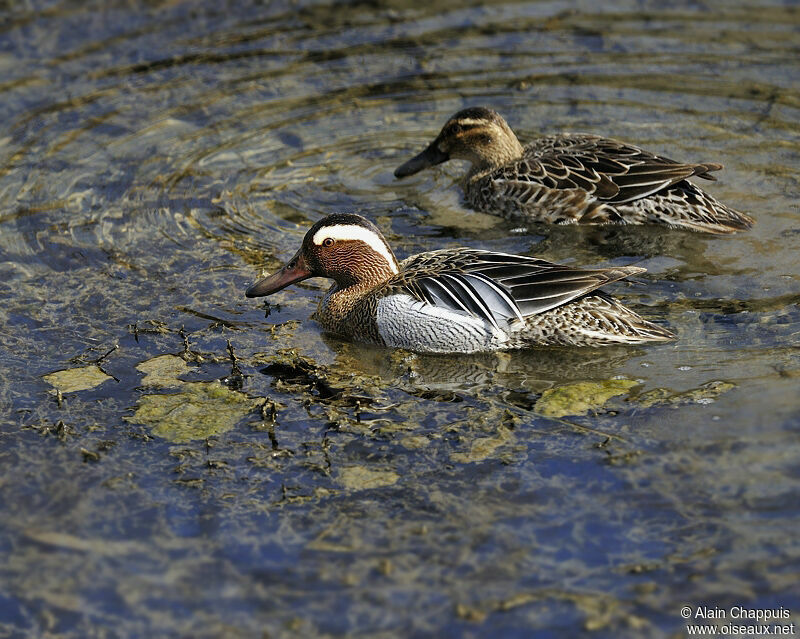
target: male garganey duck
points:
(455, 300)
(574, 178)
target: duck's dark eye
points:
(328, 241)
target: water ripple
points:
(155, 155)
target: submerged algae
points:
(163, 371)
(581, 397)
(482, 448)
(199, 410)
(362, 478)
(77, 379)
(705, 394)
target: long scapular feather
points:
(534, 292)
(508, 307)
(470, 297)
(438, 294)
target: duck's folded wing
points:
(471, 293)
(500, 288)
(609, 170)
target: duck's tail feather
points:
(685, 205)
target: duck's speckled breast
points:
(405, 322)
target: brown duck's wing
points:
(610, 170)
(497, 286)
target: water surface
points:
(154, 156)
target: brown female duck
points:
(574, 178)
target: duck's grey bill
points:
(294, 271)
(429, 157)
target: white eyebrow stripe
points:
(355, 232)
(470, 121)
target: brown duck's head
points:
(344, 247)
(477, 134)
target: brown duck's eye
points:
(328, 241)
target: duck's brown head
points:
(478, 135)
(344, 247)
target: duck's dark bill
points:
(429, 157)
(294, 271)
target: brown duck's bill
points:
(429, 157)
(294, 271)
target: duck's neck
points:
(340, 300)
(501, 150)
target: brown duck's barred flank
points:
(455, 300)
(574, 178)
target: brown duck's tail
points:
(601, 319)
(685, 205)
(650, 332)
(638, 329)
